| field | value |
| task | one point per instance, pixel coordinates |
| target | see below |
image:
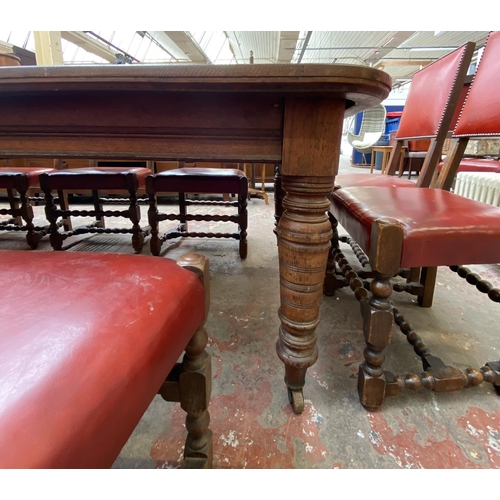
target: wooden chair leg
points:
(428, 277)
(330, 283)
(279, 194)
(195, 388)
(377, 313)
(243, 224)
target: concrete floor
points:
(252, 422)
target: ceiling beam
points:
(404, 62)
(188, 45)
(89, 44)
(287, 44)
(393, 42)
(235, 46)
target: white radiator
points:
(480, 186)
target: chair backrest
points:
(480, 113)
(429, 109)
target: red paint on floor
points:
(409, 450)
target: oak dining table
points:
(286, 114)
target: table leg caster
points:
(296, 399)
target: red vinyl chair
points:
(430, 113)
(77, 372)
(423, 228)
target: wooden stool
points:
(20, 180)
(201, 181)
(100, 338)
(96, 179)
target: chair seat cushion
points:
(9, 176)
(97, 178)
(477, 165)
(86, 341)
(353, 180)
(440, 228)
(200, 180)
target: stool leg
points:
(243, 222)
(32, 237)
(51, 215)
(183, 225)
(155, 243)
(64, 205)
(134, 213)
(98, 208)
(14, 206)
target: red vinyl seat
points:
(83, 357)
(477, 165)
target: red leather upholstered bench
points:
(80, 365)
(201, 181)
(128, 179)
(21, 179)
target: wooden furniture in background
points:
(200, 181)
(79, 370)
(260, 113)
(122, 179)
(252, 189)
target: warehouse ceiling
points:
(399, 53)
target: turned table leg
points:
(304, 234)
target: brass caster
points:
(296, 399)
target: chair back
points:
(430, 107)
(480, 113)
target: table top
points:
(361, 86)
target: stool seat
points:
(199, 179)
(81, 364)
(98, 178)
(440, 228)
(11, 176)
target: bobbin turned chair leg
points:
(377, 311)
(331, 283)
(243, 218)
(190, 382)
